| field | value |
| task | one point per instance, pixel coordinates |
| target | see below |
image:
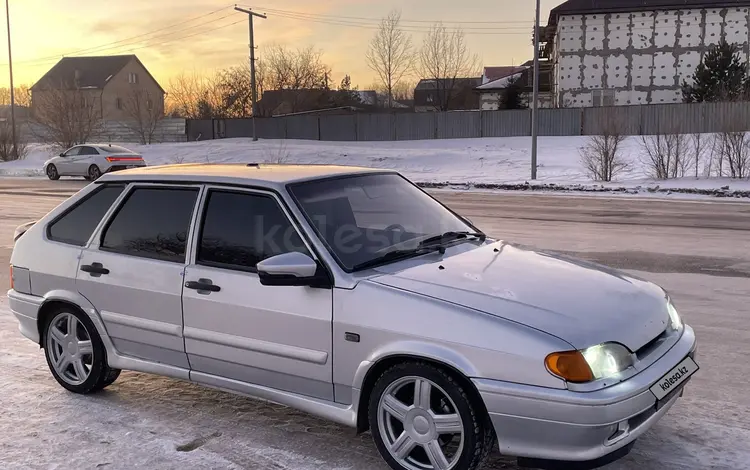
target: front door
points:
(132, 272)
(66, 163)
(236, 328)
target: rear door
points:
(81, 162)
(236, 328)
(132, 271)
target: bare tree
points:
(188, 95)
(6, 143)
(602, 157)
(66, 117)
(300, 77)
(700, 144)
(390, 54)
(445, 58)
(665, 155)
(144, 112)
(22, 96)
(734, 149)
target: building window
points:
(603, 98)
(118, 103)
(149, 104)
(132, 77)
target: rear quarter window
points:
(76, 225)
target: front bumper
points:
(542, 426)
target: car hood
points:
(582, 303)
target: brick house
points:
(113, 85)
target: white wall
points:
(640, 54)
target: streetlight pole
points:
(535, 105)
(12, 91)
(250, 15)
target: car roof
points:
(243, 174)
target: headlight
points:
(674, 317)
(594, 363)
(606, 360)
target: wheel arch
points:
(57, 299)
(456, 366)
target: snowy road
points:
(700, 252)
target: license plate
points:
(675, 378)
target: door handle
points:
(203, 285)
(95, 269)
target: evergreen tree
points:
(346, 95)
(512, 96)
(721, 76)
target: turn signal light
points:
(570, 366)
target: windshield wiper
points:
(397, 255)
(448, 237)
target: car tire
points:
(94, 173)
(52, 172)
(75, 353)
(423, 433)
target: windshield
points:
(362, 218)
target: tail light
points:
(124, 159)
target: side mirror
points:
(61, 154)
(292, 269)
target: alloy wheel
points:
(420, 425)
(69, 347)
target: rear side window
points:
(152, 223)
(240, 230)
(77, 224)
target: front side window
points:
(76, 225)
(152, 223)
(242, 229)
(361, 218)
(73, 152)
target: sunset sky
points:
(42, 31)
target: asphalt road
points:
(699, 251)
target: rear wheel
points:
(75, 353)
(94, 173)
(52, 172)
(422, 419)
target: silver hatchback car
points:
(353, 295)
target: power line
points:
(414, 29)
(378, 20)
(129, 41)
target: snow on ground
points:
(490, 163)
(145, 421)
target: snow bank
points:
(487, 163)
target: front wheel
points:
(52, 172)
(422, 419)
(75, 353)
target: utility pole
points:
(12, 91)
(535, 106)
(250, 15)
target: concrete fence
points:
(167, 130)
(627, 120)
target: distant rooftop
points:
(613, 6)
